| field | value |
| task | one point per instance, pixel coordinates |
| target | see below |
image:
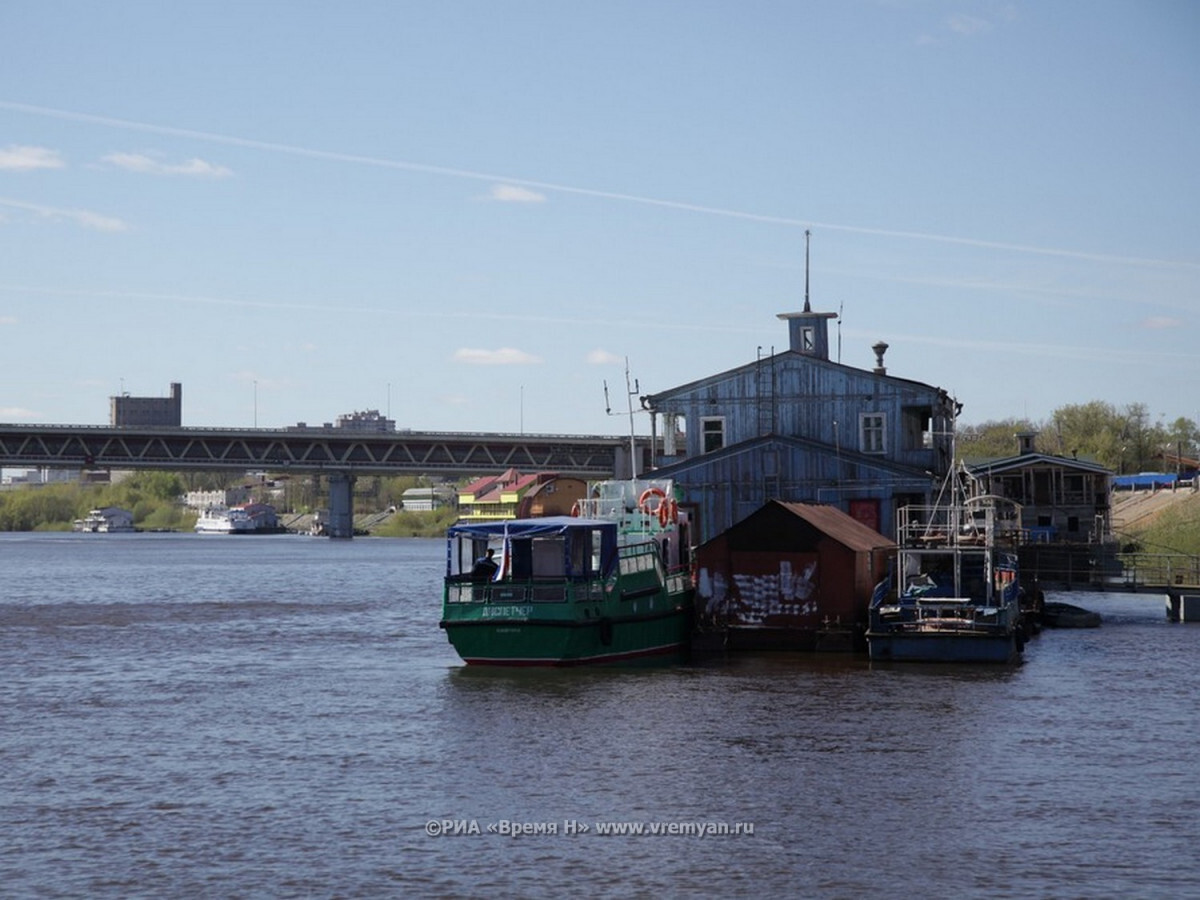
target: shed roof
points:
(841, 526)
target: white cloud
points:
(84, 217)
(8, 320)
(89, 219)
(151, 165)
(19, 158)
(12, 413)
(968, 25)
(511, 193)
(505, 356)
(1160, 322)
(600, 357)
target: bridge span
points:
(340, 454)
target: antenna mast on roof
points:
(631, 392)
(807, 235)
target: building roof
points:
(784, 356)
(1024, 460)
(842, 527)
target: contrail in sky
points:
(1051, 351)
(356, 159)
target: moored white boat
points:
(106, 520)
(249, 518)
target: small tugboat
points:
(956, 593)
(608, 585)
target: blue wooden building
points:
(799, 426)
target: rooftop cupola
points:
(808, 331)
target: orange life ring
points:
(664, 513)
(644, 500)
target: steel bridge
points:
(340, 454)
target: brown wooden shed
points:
(795, 576)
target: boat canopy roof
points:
(587, 547)
(528, 528)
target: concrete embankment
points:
(1137, 509)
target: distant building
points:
(147, 412)
(38, 476)
(1062, 498)
(512, 495)
(427, 499)
(368, 421)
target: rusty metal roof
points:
(842, 527)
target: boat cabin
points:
(554, 550)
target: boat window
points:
(579, 553)
(547, 559)
(596, 545)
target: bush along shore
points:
(154, 500)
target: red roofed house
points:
(512, 495)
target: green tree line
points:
(1120, 438)
(1123, 439)
(156, 500)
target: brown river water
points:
(212, 716)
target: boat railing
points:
(465, 589)
(980, 521)
(943, 612)
(635, 521)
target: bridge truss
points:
(312, 450)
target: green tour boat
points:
(608, 586)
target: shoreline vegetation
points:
(154, 500)
(1122, 439)
(1173, 528)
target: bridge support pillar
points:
(341, 505)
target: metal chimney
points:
(880, 349)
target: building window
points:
(871, 435)
(808, 339)
(917, 424)
(712, 434)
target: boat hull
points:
(944, 647)
(662, 639)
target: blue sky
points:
(468, 215)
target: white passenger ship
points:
(249, 518)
